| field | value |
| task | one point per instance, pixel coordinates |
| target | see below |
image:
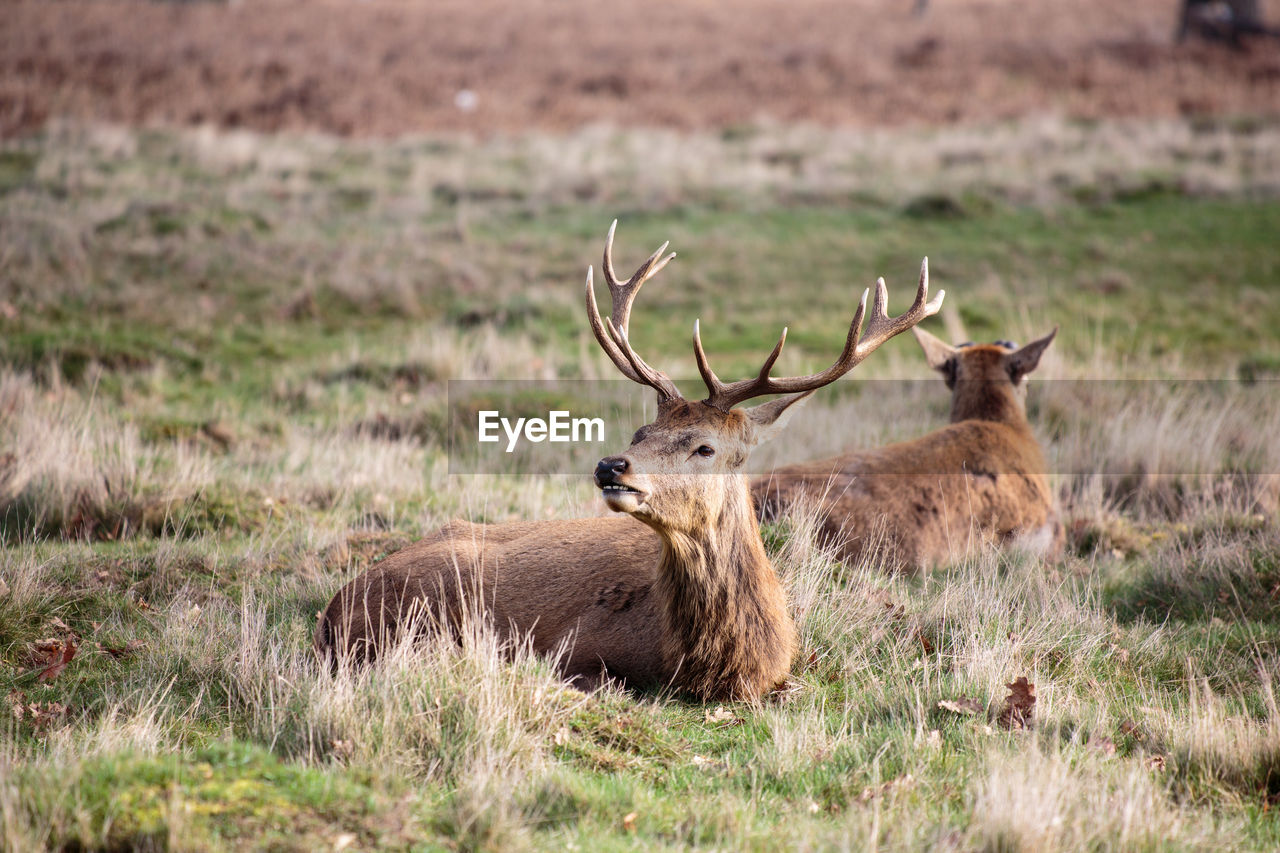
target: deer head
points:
(662, 479)
(986, 380)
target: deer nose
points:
(610, 467)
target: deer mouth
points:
(622, 498)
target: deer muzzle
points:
(620, 496)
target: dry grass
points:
(277, 458)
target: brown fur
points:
(698, 606)
(980, 480)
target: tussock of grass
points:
(1031, 800)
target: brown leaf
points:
(45, 652)
(121, 652)
(55, 668)
(1018, 705)
(58, 625)
(964, 706)
(629, 821)
(1155, 763)
(786, 692)
(46, 713)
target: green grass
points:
(223, 393)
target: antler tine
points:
(881, 327)
(624, 294)
(714, 384)
(857, 347)
(613, 337)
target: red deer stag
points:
(697, 606)
(917, 503)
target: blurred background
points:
(262, 230)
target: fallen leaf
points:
(722, 716)
(964, 706)
(54, 669)
(43, 714)
(629, 821)
(343, 841)
(53, 656)
(121, 652)
(58, 625)
(1156, 763)
(1018, 705)
(142, 605)
(786, 692)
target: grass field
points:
(223, 389)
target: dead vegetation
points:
(399, 68)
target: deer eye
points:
(707, 451)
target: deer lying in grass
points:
(698, 606)
(979, 480)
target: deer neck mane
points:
(726, 629)
(982, 400)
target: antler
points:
(857, 346)
(613, 336)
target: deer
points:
(917, 504)
(676, 592)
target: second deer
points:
(980, 480)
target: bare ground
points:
(389, 68)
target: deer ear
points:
(1022, 361)
(768, 419)
(936, 351)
